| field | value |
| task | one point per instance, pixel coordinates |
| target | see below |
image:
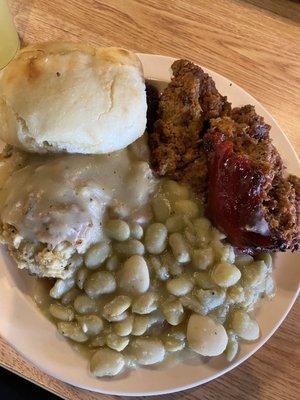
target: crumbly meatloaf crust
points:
(295, 183)
(186, 105)
(191, 115)
(254, 124)
(194, 174)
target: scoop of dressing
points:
(63, 197)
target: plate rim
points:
(260, 343)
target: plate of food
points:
(149, 215)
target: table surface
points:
(255, 43)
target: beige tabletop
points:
(255, 43)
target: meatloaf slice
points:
(228, 159)
(249, 197)
(185, 107)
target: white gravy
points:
(63, 197)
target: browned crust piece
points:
(185, 106)
(295, 183)
(255, 125)
(281, 213)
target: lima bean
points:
(244, 326)
(90, 324)
(177, 332)
(202, 227)
(116, 318)
(202, 258)
(123, 328)
(250, 297)
(190, 236)
(69, 297)
(112, 263)
(235, 294)
(161, 208)
(187, 207)
(117, 229)
(203, 280)
(244, 259)
(136, 230)
(267, 259)
(145, 304)
(140, 324)
(60, 312)
(96, 255)
(84, 305)
(173, 267)
(134, 275)
(205, 336)
(253, 275)
(210, 298)
(179, 248)
(72, 331)
(116, 342)
(147, 351)
(117, 306)
(223, 253)
(161, 271)
(99, 283)
(106, 362)
(232, 346)
(81, 276)
(156, 238)
(61, 287)
(173, 311)
(225, 274)
(129, 248)
(179, 286)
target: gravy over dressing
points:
(63, 197)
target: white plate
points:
(30, 333)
